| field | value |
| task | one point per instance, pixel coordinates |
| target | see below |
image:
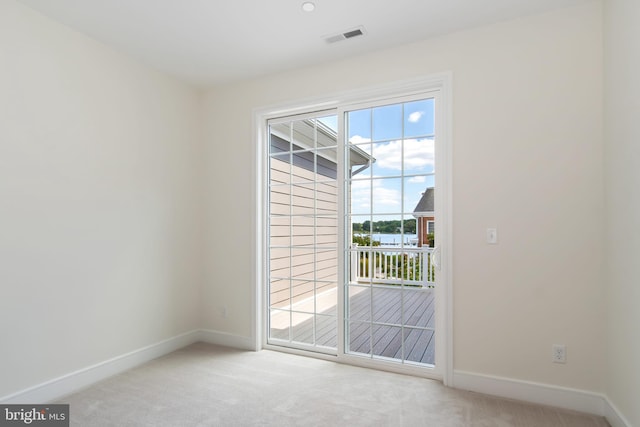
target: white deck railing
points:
(410, 266)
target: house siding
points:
(303, 233)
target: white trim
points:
(343, 160)
(301, 349)
(444, 226)
(613, 415)
(544, 394)
(371, 93)
(305, 352)
(74, 381)
(258, 191)
(362, 362)
(64, 385)
(562, 397)
(391, 365)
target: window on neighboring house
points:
(431, 227)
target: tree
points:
(386, 227)
(410, 226)
(430, 239)
(364, 240)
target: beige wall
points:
(100, 202)
(527, 158)
(622, 163)
(101, 188)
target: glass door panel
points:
(389, 300)
(303, 233)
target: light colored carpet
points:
(207, 385)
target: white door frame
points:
(440, 83)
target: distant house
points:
(425, 216)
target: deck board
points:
(374, 339)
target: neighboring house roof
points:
(425, 206)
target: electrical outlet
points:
(492, 236)
(559, 353)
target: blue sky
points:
(388, 121)
(396, 136)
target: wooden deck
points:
(379, 337)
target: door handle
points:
(435, 257)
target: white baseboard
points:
(613, 415)
(74, 381)
(544, 394)
(66, 384)
(227, 340)
(568, 398)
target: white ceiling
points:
(209, 42)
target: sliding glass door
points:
(352, 231)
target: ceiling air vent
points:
(356, 32)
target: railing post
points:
(425, 271)
(354, 272)
(371, 264)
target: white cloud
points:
(357, 139)
(416, 116)
(418, 154)
(385, 199)
(418, 157)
